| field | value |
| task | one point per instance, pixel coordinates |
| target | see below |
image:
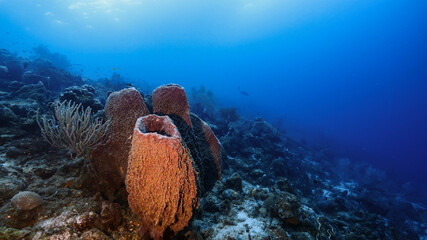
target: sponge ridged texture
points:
(171, 100)
(160, 180)
(214, 146)
(110, 160)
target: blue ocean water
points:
(351, 75)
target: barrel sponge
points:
(122, 108)
(214, 146)
(171, 100)
(207, 153)
(160, 180)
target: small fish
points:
(122, 171)
(243, 92)
(67, 184)
(113, 68)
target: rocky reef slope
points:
(272, 186)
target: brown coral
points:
(160, 180)
(110, 159)
(171, 100)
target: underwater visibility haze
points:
(308, 119)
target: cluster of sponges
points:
(205, 149)
(168, 159)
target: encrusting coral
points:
(160, 180)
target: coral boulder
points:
(27, 200)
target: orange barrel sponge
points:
(171, 100)
(209, 154)
(214, 146)
(109, 160)
(160, 180)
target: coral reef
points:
(59, 60)
(271, 187)
(57, 79)
(83, 95)
(35, 92)
(7, 116)
(161, 180)
(229, 114)
(12, 67)
(31, 78)
(202, 103)
(114, 83)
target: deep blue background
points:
(351, 75)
